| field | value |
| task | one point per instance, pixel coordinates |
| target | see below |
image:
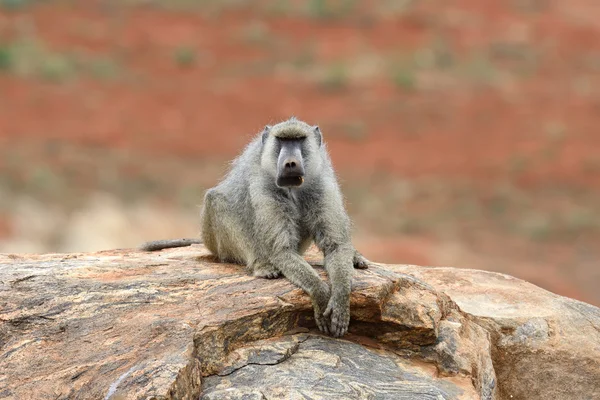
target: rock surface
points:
(130, 325)
(324, 368)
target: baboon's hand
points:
(320, 301)
(338, 311)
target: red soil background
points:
(464, 133)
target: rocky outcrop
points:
(175, 325)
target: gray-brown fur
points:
(248, 219)
(156, 245)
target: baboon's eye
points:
(301, 141)
(292, 140)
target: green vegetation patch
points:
(31, 58)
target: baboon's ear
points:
(265, 133)
(318, 135)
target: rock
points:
(319, 367)
(125, 324)
(544, 346)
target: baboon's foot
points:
(265, 270)
(359, 261)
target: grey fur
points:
(248, 219)
(156, 245)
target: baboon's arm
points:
(277, 243)
(338, 264)
(303, 275)
(332, 236)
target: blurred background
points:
(464, 133)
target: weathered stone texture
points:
(125, 324)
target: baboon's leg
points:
(301, 274)
(270, 271)
(221, 230)
(360, 262)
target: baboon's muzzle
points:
(290, 169)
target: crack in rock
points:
(258, 354)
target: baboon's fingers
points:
(321, 319)
(339, 318)
(322, 323)
(272, 275)
(339, 323)
(267, 273)
(342, 322)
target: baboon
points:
(280, 195)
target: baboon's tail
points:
(156, 245)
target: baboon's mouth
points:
(290, 181)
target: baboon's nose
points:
(292, 167)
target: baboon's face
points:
(291, 155)
(290, 162)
